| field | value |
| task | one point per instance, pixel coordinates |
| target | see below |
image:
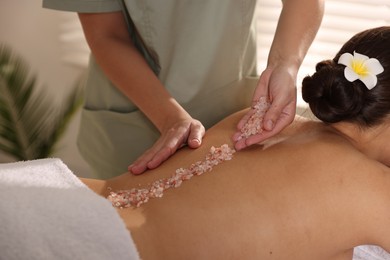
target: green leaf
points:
(30, 123)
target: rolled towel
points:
(46, 212)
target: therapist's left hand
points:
(278, 84)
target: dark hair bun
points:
(331, 97)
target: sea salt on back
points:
(135, 197)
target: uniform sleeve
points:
(83, 6)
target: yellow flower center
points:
(359, 67)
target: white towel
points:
(46, 212)
(370, 252)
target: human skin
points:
(307, 193)
(109, 40)
(297, 26)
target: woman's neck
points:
(373, 141)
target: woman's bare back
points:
(299, 195)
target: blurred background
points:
(53, 46)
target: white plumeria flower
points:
(359, 66)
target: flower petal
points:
(350, 75)
(360, 57)
(359, 66)
(369, 80)
(346, 59)
(374, 66)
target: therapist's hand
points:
(278, 84)
(187, 131)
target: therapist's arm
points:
(110, 43)
(297, 27)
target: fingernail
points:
(238, 147)
(130, 169)
(196, 140)
(269, 125)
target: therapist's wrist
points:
(168, 115)
(293, 63)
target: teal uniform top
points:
(204, 53)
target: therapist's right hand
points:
(187, 131)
